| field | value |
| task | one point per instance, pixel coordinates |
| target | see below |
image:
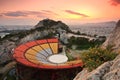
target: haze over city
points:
(29, 12)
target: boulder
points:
(115, 65)
(107, 71)
(112, 75)
(82, 75)
(95, 74)
(114, 70)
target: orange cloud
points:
(76, 13)
(115, 2)
(1, 15)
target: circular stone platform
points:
(58, 58)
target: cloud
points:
(42, 13)
(49, 12)
(1, 15)
(76, 13)
(115, 2)
(15, 14)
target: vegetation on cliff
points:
(96, 56)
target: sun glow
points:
(71, 12)
(74, 16)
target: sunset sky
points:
(29, 12)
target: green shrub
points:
(70, 57)
(94, 57)
(83, 43)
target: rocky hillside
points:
(44, 29)
(47, 23)
(114, 39)
(109, 70)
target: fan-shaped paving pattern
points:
(37, 54)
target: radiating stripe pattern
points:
(36, 53)
(40, 52)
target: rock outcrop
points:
(114, 39)
(114, 73)
(48, 23)
(109, 70)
